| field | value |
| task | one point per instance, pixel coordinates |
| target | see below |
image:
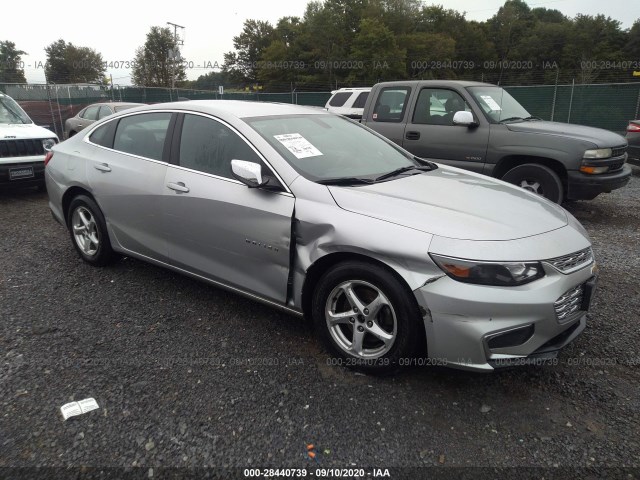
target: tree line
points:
(360, 42)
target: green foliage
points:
(67, 63)
(243, 64)
(11, 70)
(155, 62)
(375, 46)
(358, 42)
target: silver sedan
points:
(397, 260)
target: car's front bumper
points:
(582, 186)
(35, 164)
(462, 319)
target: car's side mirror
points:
(249, 173)
(464, 118)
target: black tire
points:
(548, 181)
(408, 327)
(104, 254)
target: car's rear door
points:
(215, 225)
(126, 167)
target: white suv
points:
(348, 102)
(23, 146)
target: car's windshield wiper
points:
(401, 170)
(532, 118)
(345, 181)
(510, 119)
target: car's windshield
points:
(322, 147)
(498, 105)
(10, 111)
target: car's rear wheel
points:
(88, 232)
(366, 317)
(538, 179)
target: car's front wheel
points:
(366, 317)
(538, 179)
(88, 231)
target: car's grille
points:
(618, 151)
(20, 148)
(569, 303)
(570, 262)
(615, 166)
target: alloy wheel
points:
(85, 231)
(361, 319)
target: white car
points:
(23, 146)
(348, 102)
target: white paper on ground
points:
(78, 408)
(298, 145)
(491, 103)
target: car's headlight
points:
(598, 153)
(48, 144)
(501, 274)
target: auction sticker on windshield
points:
(298, 145)
(491, 103)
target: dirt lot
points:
(187, 375)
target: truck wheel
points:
(537, 179)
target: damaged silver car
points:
(395, 258)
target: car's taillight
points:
(47, 158)
(633, 127)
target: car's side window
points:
(391, 104)
(437, 106)
(103, 135)
(142, 134)
(339, 99)
(91, 113)
(209, 146)
(361, 100)
(104, 112)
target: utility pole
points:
(175, 54)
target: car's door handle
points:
(103, 167)
(178, 187)
(412, 136)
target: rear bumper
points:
(582, 186)
(36, 180)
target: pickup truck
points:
(480, 127)
(23, 146)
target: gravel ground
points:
(187, 375)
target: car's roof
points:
(352, 89)
(444, 83)
(237, 108)
(114, 104)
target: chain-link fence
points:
(608, 106)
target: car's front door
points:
(126, 170)
(430, 132)
(216, 226)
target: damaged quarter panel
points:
(322, 228)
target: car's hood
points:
(601, 138)
(449, 202)
(26, 131)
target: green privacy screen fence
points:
(608, 106)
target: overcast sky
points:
(117, 27)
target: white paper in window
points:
(492, 104)
(298, 145)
